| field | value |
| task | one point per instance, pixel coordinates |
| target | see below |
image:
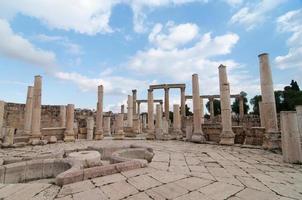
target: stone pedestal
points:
(63, 116)
(28, 110)
(272, 136)
(176, 122)
(69, 132)
(90, 128)
(290, 137)
(151, 134)
(36, 112)
(159, 122)
(198, 135)
(107, 128)
(99, 134)
(227, 136)
(119, 135)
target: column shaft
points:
(138, 108)
(130, 111)
(107, 128)
(36, 111)
(90, 128)
(261, 114)
(212, 114)
(150, 115)
(183, 102)
(241, 108)
(134, 96)
(123, 109)
(69, 132)
(1, 119)
(119, 135)
(167, 103)
(99, 134)
(28, 110)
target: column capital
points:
(134, 91)
(150, 90)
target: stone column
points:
(123, 109)
(183, 101)
(201, 110)
(130, 111)
(212, 114)
(159, 122)
(119, 135)
(150, 115)
(198, 135)
(227, 136)
(272, 134)
(144, 118)
(107, 128)
(69, 132)
(62, 116)
(99, 134)
(241, 108)
(177, 122)
(167, 102)
(90, 128)
(134, 96)
(28, 110)
(261, 114)
(138, 108)
(290, 137)
(1, 119)
(36, 112)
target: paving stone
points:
(198, 168)
(104, 180)
(160, 165)
(10, 190)
(167, 191)
(136, 172)
(193, 196)
(48, 193)
(28, 192)
(75, 188)
(253, 183)
(193, 183)
(119, 190)
(143, 182)
(94, 194)
(139, 196)
(166, 177)
(219, 190)
(251, 194)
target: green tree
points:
(255, 103)
(217, 109)
(188, 112)
(235, 105)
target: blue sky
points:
(125, 44)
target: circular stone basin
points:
(87, 158)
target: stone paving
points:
(179, 170)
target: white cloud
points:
(234, 3)
(253, 15)
(176, 36)
(15, 46)
(291, 22)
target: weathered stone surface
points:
(94, 194)
(119, 190)
(105, 180)
(75, 188)
(167, 191)
(220, 190)
(143, 182)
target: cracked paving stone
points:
(143, 182)
(167, 191)
(192, 183)
(94, 194)
(139, 196)
(119, 190)
(104, 180)
(166, 177)
(251, 194)
(75, 188)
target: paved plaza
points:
(179, 170)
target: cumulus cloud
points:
(252, 15)
(17, 47)
(291, 22)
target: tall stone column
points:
(134, 96)
(201, 110)
(130, 111)
(212, 114)
(227, 136)
(261, 114)
(198, 135)
(62, 116)
(107, 128)
(69, 132)
(99, 133)
(90, 128)
(123, 109)
(36, 112)
(138, 108)
(119, 135)
(159, 122)
(290, 137)
(150, 115)
(241, 108)
(167, 102)
(144, 118)
(272, 134)
(177, 122)
(183, 101)
(28, 110)
(1, 119)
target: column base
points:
(69, 138)
(178, 134)
(35, 140)
(150, 135)
(120, 135)
(198, 137)
(227, 138)
(272, 140)
(99, 135)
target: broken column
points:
(107, 128)
(62, 116)
(99, 115)
(36, 112)
(166, 102)
(134, 95)
(119, 135)
(272, 135)
(150, 135)
(90, 128)
(198, 135)
(177, 122)
(130, 111)
(183, 102)
(123, 109)
(28, 110)
(69, 132)
(159, 122)
(227, 136)
(290, 137)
